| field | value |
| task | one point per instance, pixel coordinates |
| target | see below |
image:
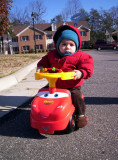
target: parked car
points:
(104, 45)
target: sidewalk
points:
(19, 88)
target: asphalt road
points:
(97, 141)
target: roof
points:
(46, 28)
(18, 29)
(83, 27)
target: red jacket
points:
(79, 61)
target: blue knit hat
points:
(67, 34)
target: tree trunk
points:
(2, 45)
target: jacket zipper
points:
(58, 63)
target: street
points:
(97, 141)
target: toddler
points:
(68, 57)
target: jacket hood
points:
(64, 27)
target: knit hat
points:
(67, 34)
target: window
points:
(40, 46)
(53, 27)
(15, 49)
(83, 43)
(50, 46)
(83, 33)
(1, 38)
(101, 42)
(38, 37)
(25, 48)
(49, 36)
(14, 39)
(25, 38)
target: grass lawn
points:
(12, 63)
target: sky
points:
(55, 7)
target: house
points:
(112, 36)
(40, 37)
(115, 36)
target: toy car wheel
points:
(71, 125)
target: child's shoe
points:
(81, 122)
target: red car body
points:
(51, 112)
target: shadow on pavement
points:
(12, 100)
(17, 122)
(101, 100)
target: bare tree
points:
(18, 17)
(114, 14)
(38, 7)
(72, 7)
(5, 6)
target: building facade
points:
(112, 36)
(39, 38)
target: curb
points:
(15, 78)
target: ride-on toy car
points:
(52, 109)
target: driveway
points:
(97, 141)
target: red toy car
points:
(52, 109)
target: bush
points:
(39, 51)
(31, 51)
(17, 52)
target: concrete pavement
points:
(18, 88)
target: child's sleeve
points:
(86, 65)
(44, 62)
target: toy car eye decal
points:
(46, 94)
(55, 95)
(43, 94)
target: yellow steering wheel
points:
(51, 76)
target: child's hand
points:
(77, 74)
(38, 69)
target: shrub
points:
(39, 51)
(31, 51)
(17, 52)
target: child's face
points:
(67, 46)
